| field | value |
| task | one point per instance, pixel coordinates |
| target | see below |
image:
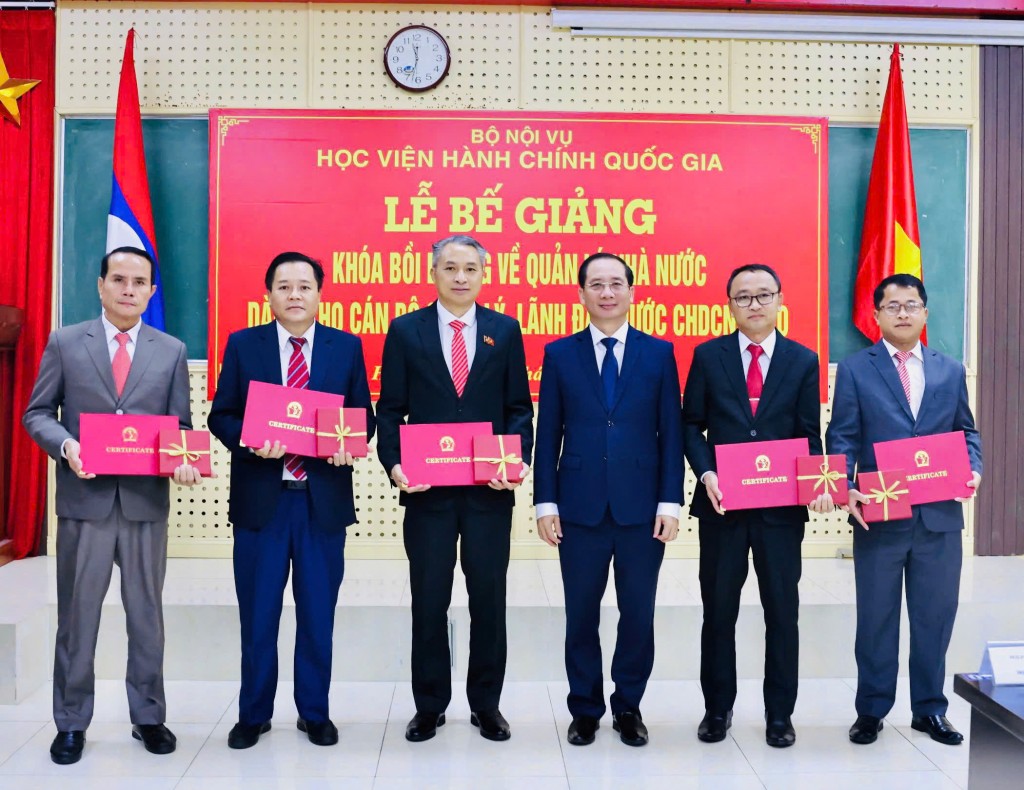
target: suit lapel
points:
(887, 370)
(631, 352)
(430, 340)
(484, 351)
(588, 363)
(320, 361)
(270, 353)
(732, 363)
(140, 360)
(776, 372)
(96, 344)
(931, 374)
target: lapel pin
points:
(488, 340)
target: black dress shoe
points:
(779, 733)
(423, 726)
(67, 747)
(631, 728)
(939, 728)
(582, 730)
(713, 726)
(492, 724)
(865, 730)
(155, 737)
(322, 733)
(244, 736)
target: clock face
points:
(417, 58)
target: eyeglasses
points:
(894, 308)
(762, 299)
(616, 287)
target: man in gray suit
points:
(111, 364)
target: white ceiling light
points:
(788, 27)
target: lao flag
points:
(130, 221)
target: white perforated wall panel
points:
(194, 56)
(348, 44)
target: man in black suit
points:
(753, 385)
(455, 361)
(289, 513)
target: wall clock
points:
(417, 58)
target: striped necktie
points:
(298, 377)
(901, 369)
(460, 362)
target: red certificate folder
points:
(890, 498)
(822, 474)
(937, 466)
(759, 474)
(440, 454)
(497, 456)
(341, 430)
(284, 414)
(177, 447)
(122, 444)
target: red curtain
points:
(28, 46)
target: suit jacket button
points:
(753, 433)
(610, 423)
(604, 457)
(119, 411)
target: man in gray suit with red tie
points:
(112, 364)
(898, 389)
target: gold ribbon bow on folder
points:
(182, 451)
(503, 462)
(826, 478)
(341, 431)
(885, 494)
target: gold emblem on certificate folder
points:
(447, 444)
(294, 410)
(921, 459)
(129, 434)
(763, 463)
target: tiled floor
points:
(373, 753)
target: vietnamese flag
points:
(890, 241)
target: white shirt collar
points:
(446, 317)
(916, 350)
(283, 336)
(596, 335)
(768, 344)
(112, 330)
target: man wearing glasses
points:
(753, 385)
(608, 483)
(897, 389)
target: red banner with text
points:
(683, 198)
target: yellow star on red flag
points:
(11, 90)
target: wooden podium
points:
(11, 320)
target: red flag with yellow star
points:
(890, 241)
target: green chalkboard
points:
(940, 181)
(178, 163)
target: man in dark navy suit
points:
(608, 482)
(898, 389)
(287, 510)
(455, 361)
(753, 385)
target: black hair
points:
(751, 267)
(582, 278)
(294, 257)
(105, 262)
(900, 281)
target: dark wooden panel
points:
(999, 528)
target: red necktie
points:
(122, 362)
(298, 377)
(460, 362)
(901, 369)
(755, 379)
